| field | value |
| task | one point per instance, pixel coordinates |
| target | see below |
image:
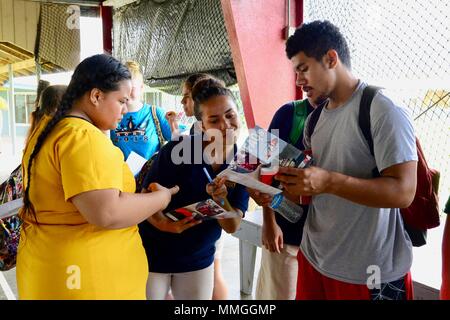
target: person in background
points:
(143, 128)
(181, 254)
(79, 238)
(445, 287)
(47, 103)
(277, 278)
(188, 103)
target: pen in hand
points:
(224, 202)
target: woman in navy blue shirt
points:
(181, 254)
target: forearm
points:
(133, 208)
(112, 209)
(231, 225)
(268, 216)
(382, 192)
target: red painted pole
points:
(106, 15)
(256, 32)
(298, 21)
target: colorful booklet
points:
(203, 210)
(257, 161)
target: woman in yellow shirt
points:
(79, 239)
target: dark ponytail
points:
(205, 89)
(100, 71)
(48, 103)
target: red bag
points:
(423, 213)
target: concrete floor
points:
(230, 270)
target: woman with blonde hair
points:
(144, 128)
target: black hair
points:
(206, 89)
(49, 100)
(42, 85)
(314, 39)
(193, 78)
(99, 71)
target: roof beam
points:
(30, 63)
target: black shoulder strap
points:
(368, 94)
(315, 115)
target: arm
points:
(272, 236)
(113, 209)
(445, 287)
(173, 123)
(165, 126)
(394, 189)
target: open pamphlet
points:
(135, 162)
(203, 210)
(258, 160)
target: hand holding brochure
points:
(260, 156)
(203, 210)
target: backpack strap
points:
(158, 126)
(313, 118)
(368, 94)
(298, 120)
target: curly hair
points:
(314, 39)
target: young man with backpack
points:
(277, 277)
(354, 242)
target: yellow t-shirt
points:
(63, 256)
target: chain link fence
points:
(403, 46)
(174, 39)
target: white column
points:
(12, 113)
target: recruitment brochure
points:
(258, 160)
(203, 210)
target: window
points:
(24, 106)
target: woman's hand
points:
(165, 224)
(171, 117)
(167, 192)
(217, 190)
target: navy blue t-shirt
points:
(194, 248)
(283, 120)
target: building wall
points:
(18, 22)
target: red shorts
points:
(312, 285)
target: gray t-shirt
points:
(344, 240)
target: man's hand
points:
(261, 199)
(305, 182)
